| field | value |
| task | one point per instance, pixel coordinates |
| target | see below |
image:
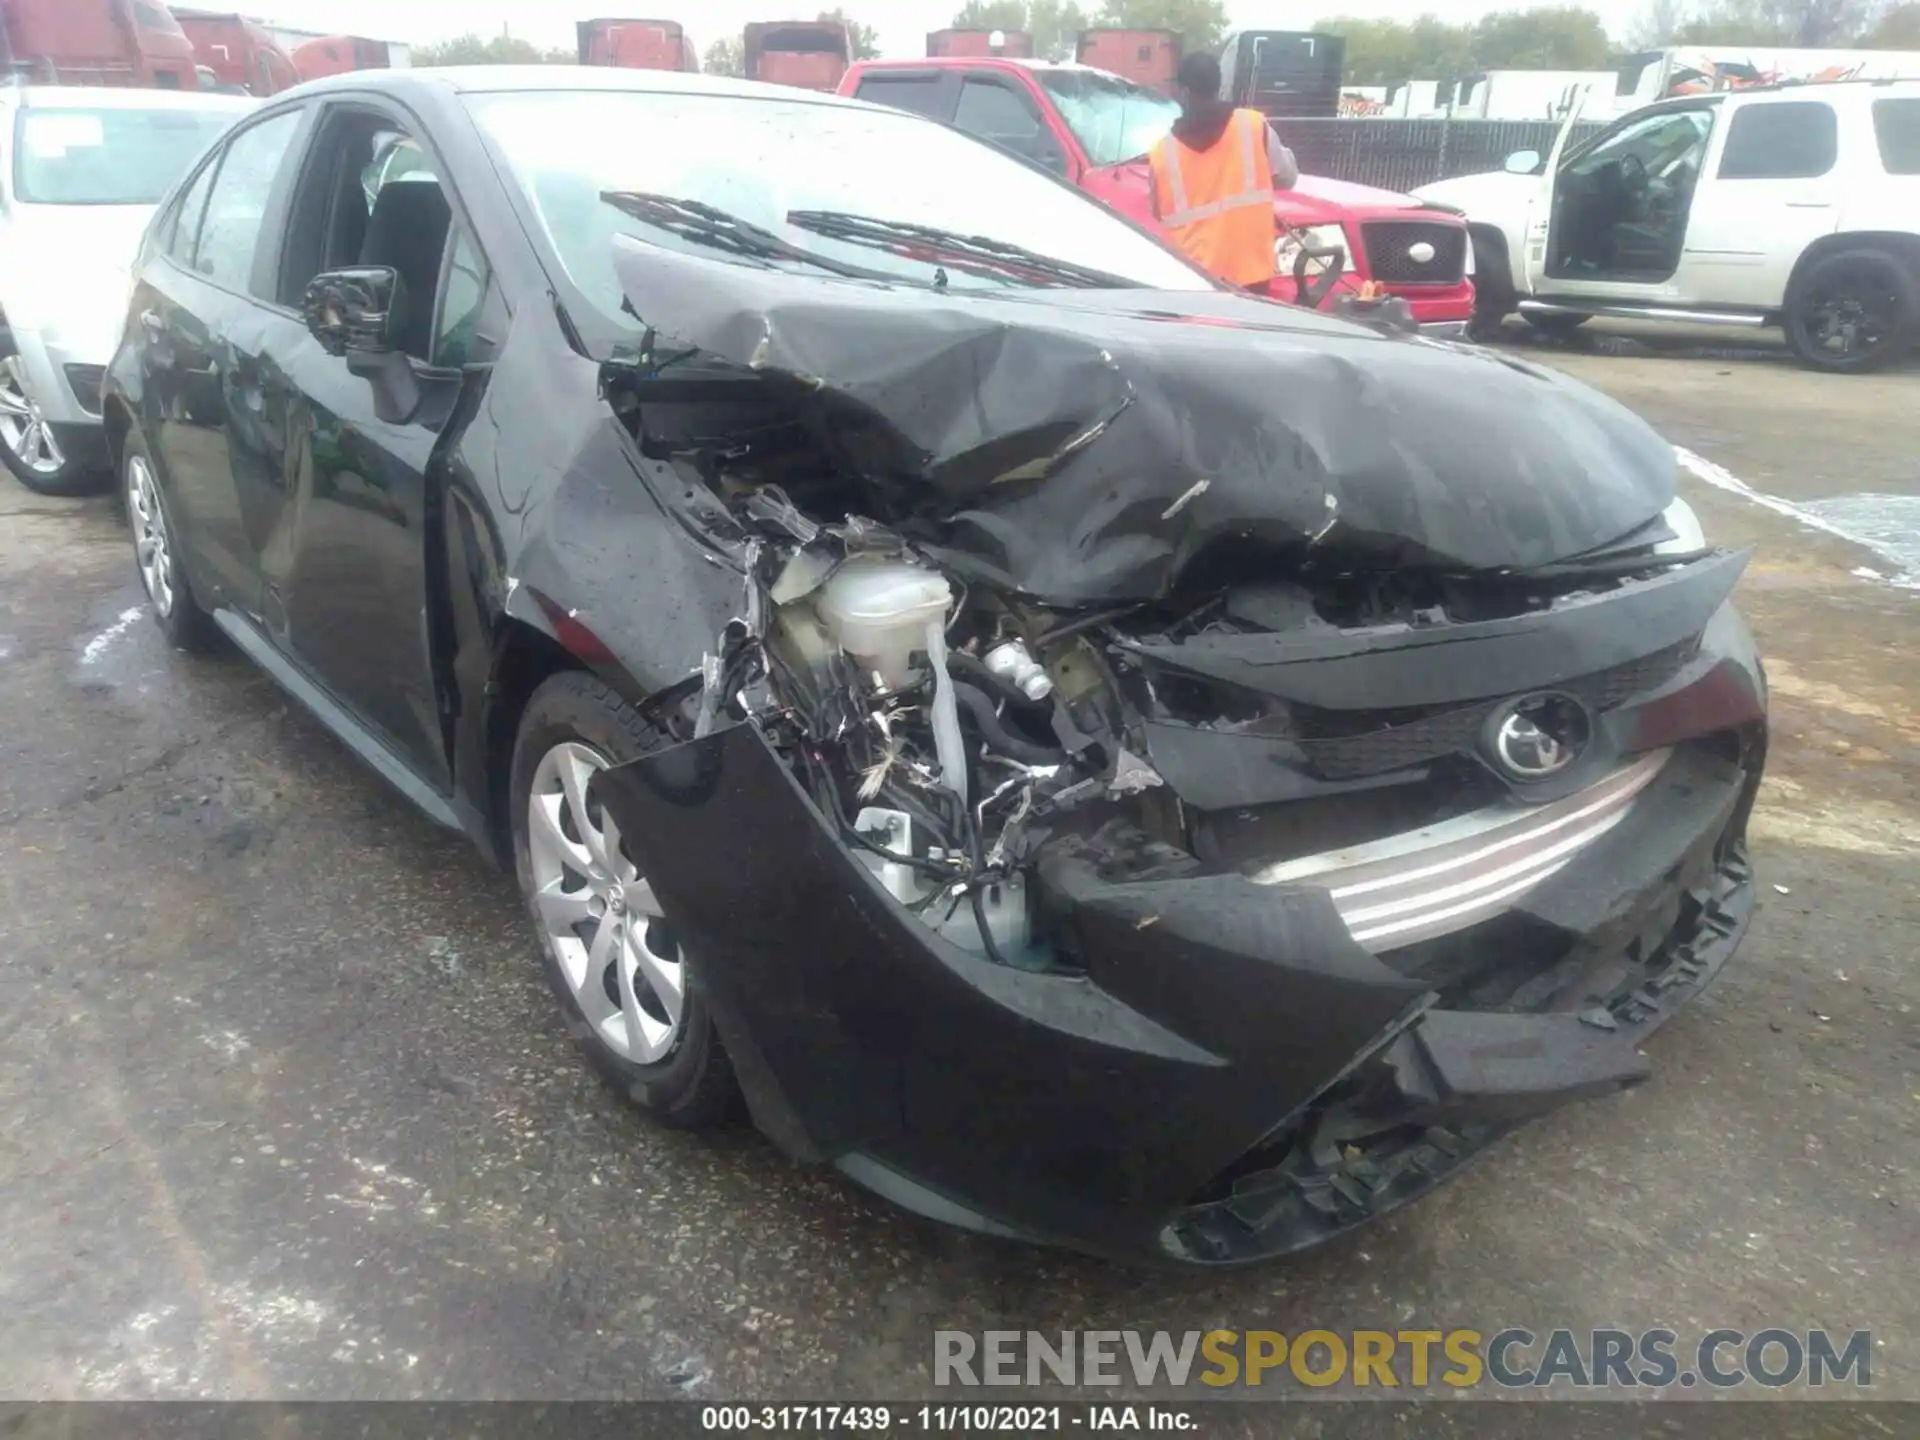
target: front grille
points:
(1336, 749)
(85, 381)
(1454, 874)
(1391, 245)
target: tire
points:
(1554, 326)
(575, 721)
(1853, 311)
(156, 553)
(1493, 297)
(31, 447)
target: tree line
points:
(1573, 38)
(1547, 37)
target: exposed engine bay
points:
(956, 737)
(1316, 751)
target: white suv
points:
(1796, 206)
(81, 169)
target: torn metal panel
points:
(1087, 446)
(1389, 666)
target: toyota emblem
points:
(1538, 736)
(1421, 253)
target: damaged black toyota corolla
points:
(1094, 757)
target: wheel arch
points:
(525, 658)
(1902, 245)
(526, 655)
(116, 419)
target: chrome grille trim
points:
(1445, 877)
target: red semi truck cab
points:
(96, 42)
(238, 51)
(1094, 129)
(811, 54)
(636, 45)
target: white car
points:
(80, 172)
(1796, 206)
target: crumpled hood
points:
(1086, 447)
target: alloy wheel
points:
(600, 919)
(1849, 315)
(151, 546)
(23, 428)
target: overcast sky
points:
(903, 24)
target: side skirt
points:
(362, 741)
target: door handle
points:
(151, 320)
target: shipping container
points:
(809, 54)
(1012, 44)
(1147, 57)
(1284, 72)
(636, 45)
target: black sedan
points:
(1095, 757)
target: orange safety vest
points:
(1217, 204)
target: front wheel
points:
(1493, 297)
(1853, 311)
(31, 446)
(629, 994)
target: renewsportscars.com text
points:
(1407, 1359)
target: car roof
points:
(1788, 89)
(104, 97)
(1022, 62)
(533, 79)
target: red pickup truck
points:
(1094, 129)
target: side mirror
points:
(350, 312)
(1523, 162)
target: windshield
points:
(107, 157)
(1114, 120)
(725, 176)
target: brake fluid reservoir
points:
(878, 611)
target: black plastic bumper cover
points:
(1094, 1110)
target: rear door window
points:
(237, 209)
(1781, 140)
(1896, 124)
(994, 112)
(183, 229)
(922, 93)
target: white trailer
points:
(1527, 94)
(1701, 69)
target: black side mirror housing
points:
(350, 312)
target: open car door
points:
(1540, 205)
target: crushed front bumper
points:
(1231, 1075)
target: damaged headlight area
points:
(1085, 836)
(946, 732)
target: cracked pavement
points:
(287, 1112)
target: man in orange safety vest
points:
(1214, 176)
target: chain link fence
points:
(1401, 154)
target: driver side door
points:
(1613, 222)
